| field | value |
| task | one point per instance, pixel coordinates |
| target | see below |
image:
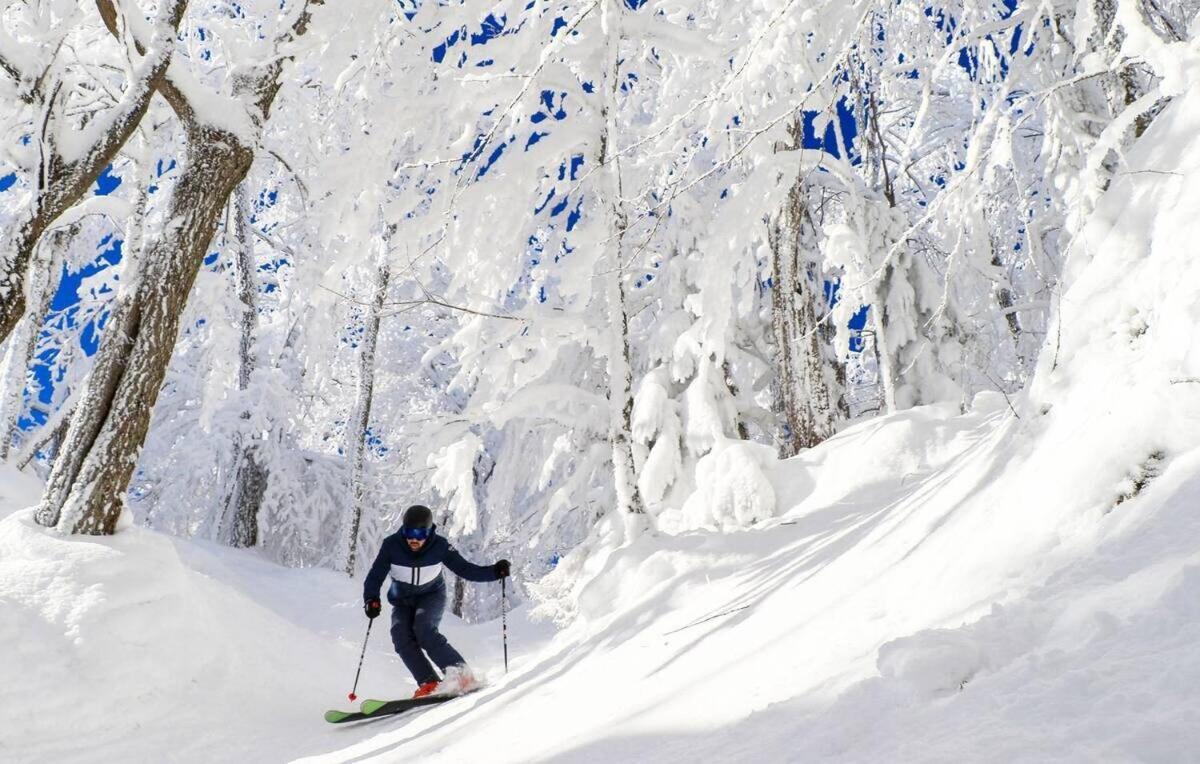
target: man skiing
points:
(414, 557)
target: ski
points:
(381, 708)
(377, 709)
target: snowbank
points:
(118, 634)
(140, 647)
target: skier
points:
(414, 556)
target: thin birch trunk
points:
(360, 421)
(619, 366)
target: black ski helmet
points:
(418, 516)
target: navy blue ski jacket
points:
(420, 571)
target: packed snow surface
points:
(1019, 583)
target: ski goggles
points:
(416, 534)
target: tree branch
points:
(63, 181)
(429, 299)
(173, 95)
(10, 69)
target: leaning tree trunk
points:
(360, 420)
(86, 490)
(251, 476)
(809, 383)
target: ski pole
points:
(504, 622)
(360, 660)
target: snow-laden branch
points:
(17, 63)
(405, 306)
(115, 209)
(566, 404)
(722, 91)
(103, 136)
(191, 101)
(71, 162)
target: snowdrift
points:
(141, 647)
(122, 647)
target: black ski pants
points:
(415, 634)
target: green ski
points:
(378, 709)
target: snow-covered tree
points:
(72, 125)
(86, 489)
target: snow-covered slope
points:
(1017, 584)
(141, 647)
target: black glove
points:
(372, 608)
(502, 569)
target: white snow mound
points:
(140, 647)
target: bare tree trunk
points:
(889, 367)
(620, 396)
(1004, 297)
(246, 498)
(740, 424)
(360, 421)
(251, 476)
(247, 285)
(809, 382)
(460, 596)
(59, 437)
